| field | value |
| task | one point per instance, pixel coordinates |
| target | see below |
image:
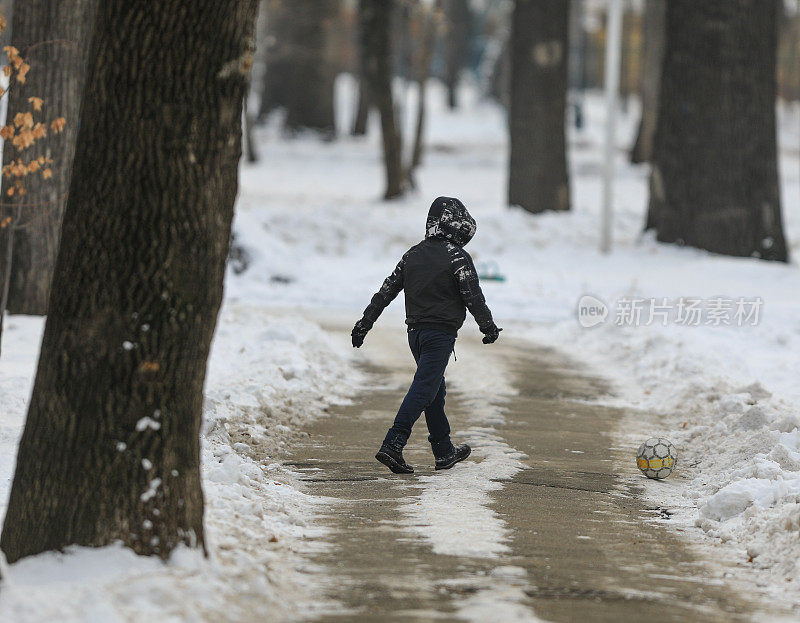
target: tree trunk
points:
(654, 37)
(538, 164)
(311, 81)
(51, 35)
(375, 18)
(457, 13)
(110, 450)
(422, 57)
(362, 111)
(249, 141)
(714, 183)
(299, 76)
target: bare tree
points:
(457, 15)
(538, 164)
(299, 75)
(375, 18)
(424, 25)
(654, 35)
(714, 183)
(110, 450)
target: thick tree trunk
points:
(51, 35)
(538, 164)
(311, 82)
(299, 76)
(110, 450)
(457, 13)
(714, 183)
(375, 18)
(654, 37)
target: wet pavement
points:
(581, 545)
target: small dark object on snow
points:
(238, 257)
(280, 279)
(394, 460)
(459, 453)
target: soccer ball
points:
(657, 458)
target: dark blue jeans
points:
(431, 350)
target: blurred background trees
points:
(345, 69)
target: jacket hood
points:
(448, 219)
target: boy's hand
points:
(491, 334)
(360, 331)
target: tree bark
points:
(457, 13)
(654, 37)
(538, 164)
(375, 16)
(51, 35)
(110, 450)
(299, 76)
(714, 183)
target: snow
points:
(268, 374)
(319, 242)
(337, 243)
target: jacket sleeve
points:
(469, 287)
(389, 290)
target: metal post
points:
(613, 45)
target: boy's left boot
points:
(459, 453)
(393, 460)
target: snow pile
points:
(268, 374)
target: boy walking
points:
(440, 284)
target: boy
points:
(440, 284)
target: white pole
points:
(613, 49)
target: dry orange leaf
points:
(148, 366)
(11, 51)
(39, 131)
(22, 72)
(6, 132)
(4, 223)
(7, 71)
(19, 119)
(47, 174)
(58, 124)
(36, 102)
(10, 192)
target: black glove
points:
(491, 334)
(360, 331)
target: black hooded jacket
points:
(438, 275)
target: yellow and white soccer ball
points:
(657, 458)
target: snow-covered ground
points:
(725, 394)
(269, 373)
(320, 241)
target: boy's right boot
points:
(394, 460)
(459, 453)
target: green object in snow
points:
(489, 271)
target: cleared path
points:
(578, 543)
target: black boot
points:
(459, 453)
(394, 460)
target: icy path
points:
(537, 525)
